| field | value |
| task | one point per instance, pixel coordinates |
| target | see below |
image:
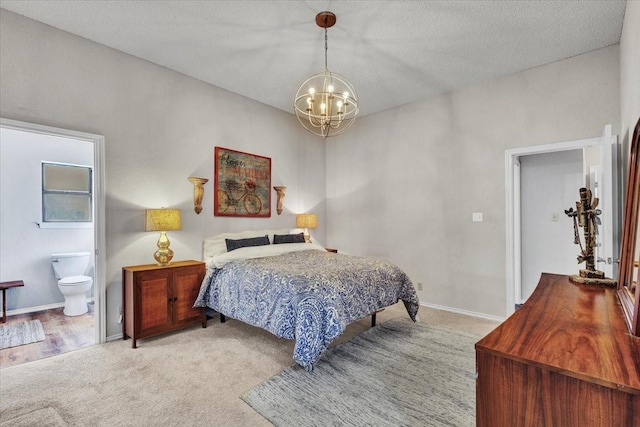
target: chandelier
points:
(326, 103)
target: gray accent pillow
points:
(288, 238)
(232, 245)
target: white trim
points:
(100, 263)
(34, 309)
(465, 312)
(115, 337)
(65, 224)
(511, 157)
(517, 232)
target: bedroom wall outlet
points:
(419, 286)
(476, 217)
(119, 314)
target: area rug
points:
(20, 333)
(396, 374)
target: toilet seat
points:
(75, 281)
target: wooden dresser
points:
(565, 358)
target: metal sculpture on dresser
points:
(586, 216)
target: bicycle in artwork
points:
(238, 197)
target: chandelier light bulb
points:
(330, 88)
(311, 91)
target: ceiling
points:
(394, 52)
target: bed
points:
(297, 290)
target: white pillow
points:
(216, 245)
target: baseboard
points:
(465, 312)
(34, 309)
(27, 310)
(114, 337)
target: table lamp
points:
(306, 221)
(162, 220)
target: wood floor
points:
(63, 334)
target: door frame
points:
(512, 207)
(99, 239)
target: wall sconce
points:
(162, 220)
(198, 192)
(306, 221)
(280, 192)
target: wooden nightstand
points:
(158, 299)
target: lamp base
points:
(164, 254)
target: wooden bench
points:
(3, 287)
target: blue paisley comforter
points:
(309, 296)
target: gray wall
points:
(403, 184)
(629, 72)
(160, 127)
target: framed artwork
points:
(242, 184)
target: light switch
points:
(477, 217)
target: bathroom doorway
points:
(23, 232)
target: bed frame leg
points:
(373, 319)
(203, 317)
(222, 318)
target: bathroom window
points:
(66, 193)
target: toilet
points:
(69, 269)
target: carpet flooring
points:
(192, 377)
(44, 417)
(21, 333)
(397, 374)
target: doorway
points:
(598, 166)
(98, 242)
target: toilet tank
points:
(70, 264)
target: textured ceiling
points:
(394, 52)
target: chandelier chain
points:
(325, 49)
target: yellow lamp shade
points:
(306, 221)
(162, 220)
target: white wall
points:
(160, 127)
(24, 247)
(549, 184)
(402, 184)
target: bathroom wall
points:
(25, 247)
